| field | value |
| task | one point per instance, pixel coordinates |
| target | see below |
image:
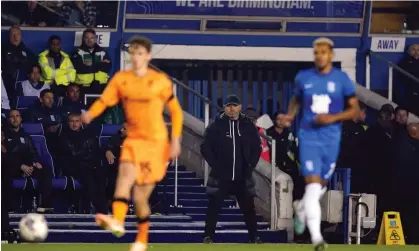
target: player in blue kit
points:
(325, 96)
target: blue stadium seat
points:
(33, 129)
(110, 130)
(20, 183)
(23, 102)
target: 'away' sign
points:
(388, 44)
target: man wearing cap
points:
(232, 148)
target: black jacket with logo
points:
(19, 144)
(44, 115)
(231, 147)
(79, 150)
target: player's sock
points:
(313, 211)
(120, 209)
(143, 227)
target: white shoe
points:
(138, 246)
(110, 223)
(299, 218)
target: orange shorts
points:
(149, 157)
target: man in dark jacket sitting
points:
(23, 159)
(112, 151)
(80, 158)
(232, 148)
(45, 112)
(71, 102)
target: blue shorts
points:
(318, 158)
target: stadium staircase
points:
(182, 224)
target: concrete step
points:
(184, 174)
(153, 225)
(183, 181)
(161, 236)
(181, 188)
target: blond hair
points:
(324, 40)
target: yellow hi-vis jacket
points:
(62, 74)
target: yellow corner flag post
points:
(391, 230)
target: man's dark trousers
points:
(245, 200)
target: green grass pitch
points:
(200, 247)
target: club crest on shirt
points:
(331, 86)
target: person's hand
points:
(175, 148)
(37, 165)
(52, 129)
(286, 120)
(27, 170)
(325, 119)
(86, 118)
(110, 157)
(106, 61)
(42, 24)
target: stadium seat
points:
(20, 184)
(23, 102)
(33, 129)
(110, 130)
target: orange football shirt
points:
(143, 100)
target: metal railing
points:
(391, 67)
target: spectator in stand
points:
(401, 115)
(92, 64)
(286, 153)
(15, 59)
(80, 158)
(72, 102)
(33, 86)
(24, 159)
(79, 13)
(380, 142)
(7, 195)
(57, 68)
(5, 104)
(353, 149)
(405, 176)
(411, 87)
(231, 146)
(45, 112)
(112, 151)
(253, 116)
(33, 15)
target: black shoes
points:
(257, 240)
(207, 240)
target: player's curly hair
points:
(140, 41)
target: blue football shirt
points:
(321, 94)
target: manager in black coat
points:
(232, 148)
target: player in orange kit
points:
(145, 152)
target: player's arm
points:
(109, 98)
(352, 106)
(294, 107)
(295, 103)
(172, 104)
(351, 112)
